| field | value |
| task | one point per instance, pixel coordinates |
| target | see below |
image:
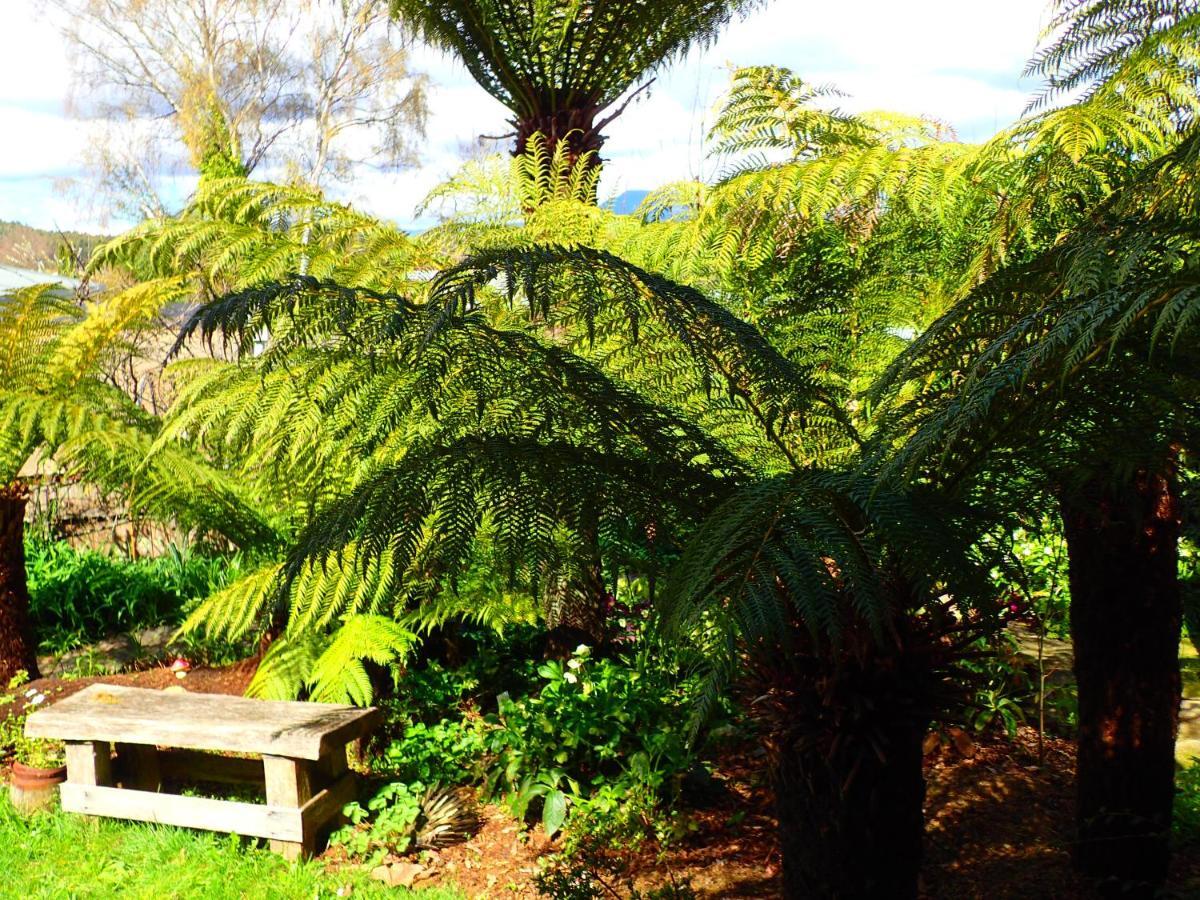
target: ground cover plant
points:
(79, 596)
(820, 487)
(59, 855)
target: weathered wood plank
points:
(327, 805)
(289, 781)
(324, 810)
(251, 819)
(196, 765)
(104, 712)
(89, 762)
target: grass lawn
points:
(62, 855)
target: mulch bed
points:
(999, 823)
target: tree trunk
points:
(845, 728)
(17, 647)
(1123, 547)
(578, 611)
(576, 127)
(851, 828)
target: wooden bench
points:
(156, 736)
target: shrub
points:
(596, 725)
(447, 751)
(1186, 818)
(399, 815)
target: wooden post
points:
(138, 766)
(333, 765)
(89, 762)
(289, 784)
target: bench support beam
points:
(89, 762)
(289, 785)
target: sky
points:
(957, 60)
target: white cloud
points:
(33, 59)
(958, 60)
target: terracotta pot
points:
(34, 789)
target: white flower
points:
(570, 677)
(573, 664)
(583, 650)
(29, 693)
(38, 698)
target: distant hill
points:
(626, 203)
(24, 247)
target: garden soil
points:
(999, 823)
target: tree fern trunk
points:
(851, 836)
(17, 647)
(574, 126)
(579, 611)
(846, 770)
(1123, 544)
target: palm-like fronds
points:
(815, 562)
(769, 108)
(543, 56)
(1122, 291)
(237, 233)
(1148, 50)
(57, 401)
(32, 322)
(330, 668)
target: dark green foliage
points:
(514, 416)
(595, 724)
(79, 596)
(385, 823)
(447, 752)
(557, 65)
(1109, 310)
(821, 563)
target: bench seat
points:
(302, 769)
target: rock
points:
(401, 874)
(405, 873)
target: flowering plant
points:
(40, 753)
(37, 753)
(597, 724)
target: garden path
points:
(1059, 660)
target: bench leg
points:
(89, 762)
(289, 783)
(333, 765)
(138, 764)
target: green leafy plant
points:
(81, 595)
(385, 823)
(595, 725)
(399, 815)
(40, 753)
(448, 752)
(1186, 823)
